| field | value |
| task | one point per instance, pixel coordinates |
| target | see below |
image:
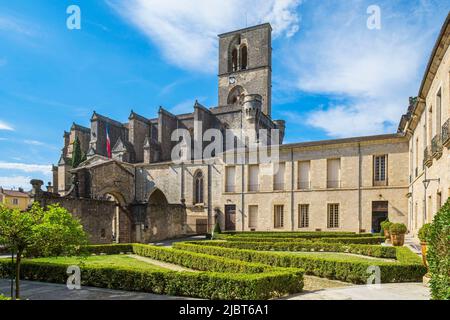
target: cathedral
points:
(129, 189)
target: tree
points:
(39, 232)
(16, 233)
(438, 254)
(84, 157)
(77, 156)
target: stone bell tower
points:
(245, 66)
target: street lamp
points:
(427, 182)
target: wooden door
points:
(230, 217)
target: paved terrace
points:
(32, 290)
(48, 291)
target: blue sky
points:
(332, 76)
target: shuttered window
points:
(230, 179)
(279, 216)
(304, 175)
(333, 173)
(253, 217)
(380, 169)
(253, 178)
(278, 183)
(303, 216)
(333, 215)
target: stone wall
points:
(164, 222)
(425, 203)
(95, 215)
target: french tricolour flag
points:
(108, 143)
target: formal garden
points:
(229, 266)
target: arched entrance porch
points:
(121, 219)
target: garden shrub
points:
(197, 261)
(2, 297)
(385, 225)
(362, 249)
(424, 232)
(398, 228)
(406, 270)
(293, 234)
(205, 285)
(438, 254)
(217, 228)
(360, 240)
(108, 249)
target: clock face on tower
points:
(232, 80)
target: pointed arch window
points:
(244, 57)
(198, 188)
(236, 95)
(234, 59)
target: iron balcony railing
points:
(427, 157)
(333, 184)
(436, 146)
(446, 133)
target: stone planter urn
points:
(424, 253)
(398, 240)
(387, 235)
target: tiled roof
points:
(14, 193)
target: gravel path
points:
(387, 291)
(312, 283)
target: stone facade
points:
(336, 185)
(427, 126)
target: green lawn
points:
(103, 261)
(339, 256)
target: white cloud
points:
(5, 126)
(34, 142)
(44, 169)
(15, 182)
(16, 25)
(371, 73)
(186, 31)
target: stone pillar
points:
(36, 187)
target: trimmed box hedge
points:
(408, 269)
(356, 240)
(306, 246)
(206, 285)
(290, 234)
(198, 261)
(108, 249)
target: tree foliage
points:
(438, 254)
(39, 232)
(77, 156)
